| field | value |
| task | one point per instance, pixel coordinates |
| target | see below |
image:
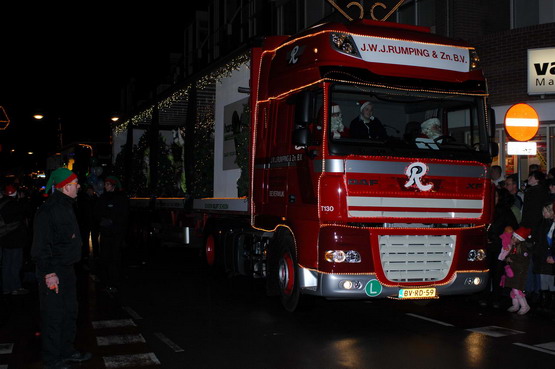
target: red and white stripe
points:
(401, 207)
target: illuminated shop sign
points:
(541, 71)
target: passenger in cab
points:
(366, 125)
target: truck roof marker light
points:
(406, 88)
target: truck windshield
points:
(371, 121)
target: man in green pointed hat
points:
(56, 248)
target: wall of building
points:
(504, 59)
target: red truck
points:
(398, 209)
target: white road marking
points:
(113, 323)
(132, 313)
(6, 348)
(168, 342)
(547, 346)
(430, 320)
(495, 331)
(550, 352)
(123, 339)
(135, 360)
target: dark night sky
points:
(72, 64)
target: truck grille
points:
(416, 258)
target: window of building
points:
(418, 13)
(531, 12)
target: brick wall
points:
(504, 59)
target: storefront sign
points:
(541, 71)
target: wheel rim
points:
(210, 250)
(286, 274)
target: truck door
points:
(280, 158)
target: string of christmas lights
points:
(183, 94)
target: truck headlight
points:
(340, 256)
(344, 43)
(478, 255)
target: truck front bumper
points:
(366, 286)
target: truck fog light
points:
(350, 285)
(477, 281)
(347, 285)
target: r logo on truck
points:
(415, 172)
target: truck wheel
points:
(210, 249)
(287, 276)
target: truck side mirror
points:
(493, 149)
(491, 114)
(300, 136)
(303, 108)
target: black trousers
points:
(58, 312)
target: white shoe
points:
(524, 307)
(523, 310)
(515, 307)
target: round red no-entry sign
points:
(522, 122)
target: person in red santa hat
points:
(518, 261)
(366, 125)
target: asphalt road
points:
(172, 313)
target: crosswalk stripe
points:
(6, 348)
(132, 313)
(168, 342)
(122, 361)
(113, 323)
(120, 339)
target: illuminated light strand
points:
(400, 228)
(402, 88)
(182, 94)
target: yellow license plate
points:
(417, 293)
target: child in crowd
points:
(517, 270)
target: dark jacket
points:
(374, 129)
(111, 213)
(542, 249)
(519, 260)
(57, 241)
(535, 198)
(14, 211)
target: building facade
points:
(515, 40)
